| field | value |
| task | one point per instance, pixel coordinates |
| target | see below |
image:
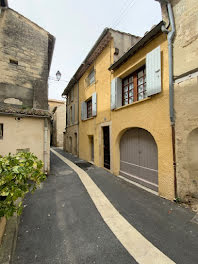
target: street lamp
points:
(58, 75)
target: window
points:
(15, 62)
(134, 87)
(1, 131)
(89, 108)
(91, 77)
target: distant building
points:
(58, 110)
(25, 57)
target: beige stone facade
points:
(25, 58)
(24, 134)
(58, 110)
(185, 54)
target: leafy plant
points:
(19, 174)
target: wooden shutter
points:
(116, 93)
(153, 72)
(72, 94)
(94, 104)
(73, 114)
(68, 116)
(83, 111)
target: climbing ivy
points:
(19, 174)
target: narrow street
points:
(67, 221)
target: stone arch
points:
(192, 158)
(139, 157)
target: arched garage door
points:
(139, 158)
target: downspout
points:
(78, 119)
(45, 145)
(171, 35)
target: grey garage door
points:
(139, 158)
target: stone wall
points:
(25, 57)
(185, 54)
(59, 121)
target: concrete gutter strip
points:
(143, 41)
(2, 227)
(8, 245)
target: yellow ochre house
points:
(124, 123)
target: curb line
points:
(8, 245)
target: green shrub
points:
(19, 174)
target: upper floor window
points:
(134, 87)
(1, 131)
(89, 108)
(91, 77)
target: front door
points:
(106, 147)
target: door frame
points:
(106, 138)
(101, 145)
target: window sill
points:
(134, 103)
(89, 118)
(88, 86)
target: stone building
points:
(25, 57)
(185, 76)
(58, 110)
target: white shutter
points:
(83, 111)
(116, 93)
(73, 114)
(153, 72)
(94, 104)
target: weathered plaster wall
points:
(185, 53)
(59, 121)
(151, 115)
(23, 41)
(26, 133)
(72, 128)
(186, 109)
(92, 127)
(71, 140)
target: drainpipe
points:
(171, 35)
(45, 145)
(78, 120)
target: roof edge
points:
(73, 80)
(141, 43)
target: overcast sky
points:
(77, 24)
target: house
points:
(124, 123)
(25, 57)
(140, 130)
(184, 14)
(58, 110)
(90, 80)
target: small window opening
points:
(15, 62)
(89, 108)
(1, 131)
